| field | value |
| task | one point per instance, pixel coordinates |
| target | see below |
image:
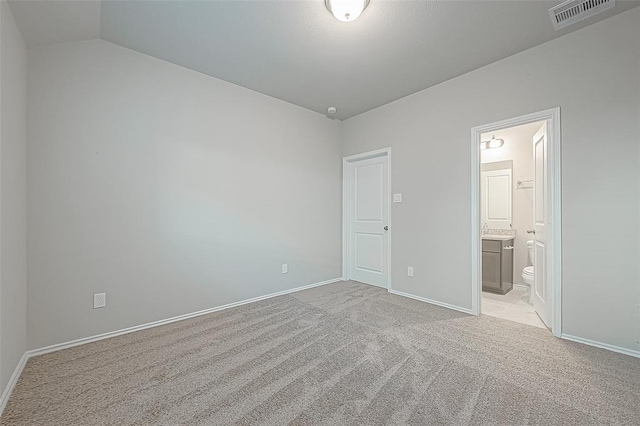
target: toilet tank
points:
(530, 251)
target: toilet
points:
(527, 272)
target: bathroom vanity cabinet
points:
(497, 265)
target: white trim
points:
(606, 346)
(12, 381)
(57, 347)
(82, 341)
(370, 154)
(433, 302)
(345, 220)
(48, 349)
(346, 226)
(555, 236)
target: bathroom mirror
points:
(496, 195)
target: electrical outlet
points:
(285, 268)
(410, 271)
(99, 300)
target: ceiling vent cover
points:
(573, 11)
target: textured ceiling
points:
(298, 52)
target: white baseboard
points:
(433, 302)
(12, 382)
(520, 286)
(606, 346)
(57, 347)
(84, 340)
(35, 352)
(625, 351)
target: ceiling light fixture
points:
(346, 10)
(493, 143)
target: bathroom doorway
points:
(516, 239)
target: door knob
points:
(531, 231)
(386, 228)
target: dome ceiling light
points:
(346, 10)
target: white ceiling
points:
(297, 51)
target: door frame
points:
(347, 163)
(553, 199)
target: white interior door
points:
(496, 196)
(368, 219)
(541, 293)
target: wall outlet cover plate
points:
(99, 300)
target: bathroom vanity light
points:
(346, 10)
(493, 143)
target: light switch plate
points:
(410, 271)
(397, 198)
(285, 268)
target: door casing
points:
(347, 162)
(553, 198)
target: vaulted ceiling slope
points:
(298, 52)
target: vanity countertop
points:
(496, 237)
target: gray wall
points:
(169, 190)
(13, 207)
(593, 75)
(175, 192)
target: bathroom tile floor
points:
(512, 306)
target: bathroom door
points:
(541, 293)
(368, 221)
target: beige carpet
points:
(344, 353)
